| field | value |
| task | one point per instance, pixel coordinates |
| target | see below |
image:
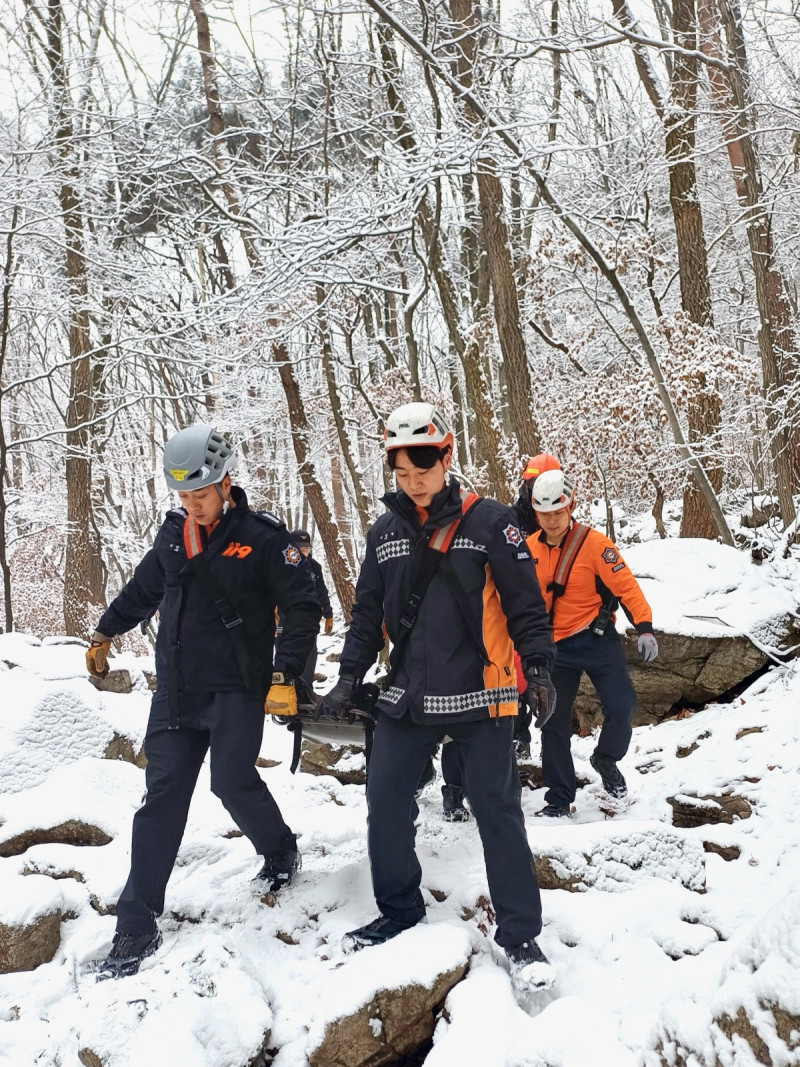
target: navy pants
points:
(400, 751)
(603, 659)
(230, 726)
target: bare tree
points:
(729, 79)
(675, 108)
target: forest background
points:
(572, 224)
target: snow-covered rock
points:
(752, 1014)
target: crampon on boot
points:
(127, 953)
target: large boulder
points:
(718, 619)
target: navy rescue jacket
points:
(253, 560)
(484, 599)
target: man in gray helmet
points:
(216, 573)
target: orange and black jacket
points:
(485, 590)
(598, 573)
(253, 560)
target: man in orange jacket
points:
(583, 578)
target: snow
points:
(23, 902)
(646, 956)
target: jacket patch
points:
(390, 549)
(610, 555)
(292, 556)
(523, 555)
(465, 542)
(512, 535)
(460, 702)
(236, 549)
(618, 567)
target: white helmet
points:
(196, 457)
(552, 491)
(416, 424)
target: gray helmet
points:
(196, 457)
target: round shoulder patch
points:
(292, 556)
(610, 555)
(513, 535)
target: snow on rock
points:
(85, 803)
(361, 1025)
(700, 588)
(718, 620)
(46, 722)
(196, 1007)
(752, 1016)
(612, 859)
(30, 921)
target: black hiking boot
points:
(522, 750)
(374, 933)
(530, 968)
(613, 782)
(127, 953)
(453, 809)
(527, 952)
(427, 776)
(553, 811)
(278, 870)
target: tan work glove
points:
(97, 655)
(281, 700)
(329, 626)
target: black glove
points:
(337, 700)
(541, 694)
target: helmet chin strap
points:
(226, 504)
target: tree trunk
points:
(729, 79)
(677, 114)
(77, 591)
(506, 311)
(488, 441)
(496, 243)
(361, 499)
(5, 330)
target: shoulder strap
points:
(192, 537)
(569, 551)
(434, 552)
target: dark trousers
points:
(603, 659)
(399, 752)
(230, 726)
(451, 771)
(307, 673)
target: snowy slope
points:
(641, 962)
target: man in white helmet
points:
(452, 674)
(583, 579)
(216, 573)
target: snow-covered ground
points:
(641, 960)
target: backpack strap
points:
(570, 548)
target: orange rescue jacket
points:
(598, 566)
